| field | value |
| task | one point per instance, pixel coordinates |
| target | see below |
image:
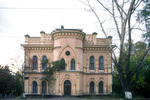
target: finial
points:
(42, 32)
(62, 27)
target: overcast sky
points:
(20, 17)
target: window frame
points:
(44, 67)
(73, 64)
(45, 87)
(101, 87)
(35, 62)
(34, 87)
(62, 59)
(92, 88)
(101, 63)
(92, 63)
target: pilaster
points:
(96, 66)
(39, 65)
(39, 89)
(96, 89)
(26, 84)
(57, 83)
(84, 83)
(78, 83)
(88, 69)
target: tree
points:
(49, 72)
(10, 82)
(144, 17)
(141, 88)
(121, 13)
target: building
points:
(88, 58)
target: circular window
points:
(67, 53)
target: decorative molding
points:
(38, 48)
(57, 47)
(96, 48)
(59, 34)
(79, 48)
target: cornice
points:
(37, 45)
(38, 48)
(57, 47)
(98, 73)
(72, 72)
(96, 46)
(79, 48)
(68, 34)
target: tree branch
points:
(105, 7)
(139, 63)
(116, 24)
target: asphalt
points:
(69, 98)
(57, 98)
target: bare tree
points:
(121, 12)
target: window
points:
(43, 88)
(63, 64)
(34, 87)
(92, 87)
(101, 87)
(101, 63)
(92, 63)
(67, 53)
(35, 62)
(44, 66)
(73, 64)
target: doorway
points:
(67, 88)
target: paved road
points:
(59, 98)
(70, 98)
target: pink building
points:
(88, 58)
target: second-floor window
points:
(101, 63)
(63, 61)
(35, 62)
(92, 63)
(72, 64)
(44, 65)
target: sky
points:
(21, 17)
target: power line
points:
(46, 8)
(12, 36)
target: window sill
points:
(34, 69)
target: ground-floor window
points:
(101, 87)
(43, 87)
(34, 87)
(92, 87)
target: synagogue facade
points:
(88, 69)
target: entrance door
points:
(67, 88)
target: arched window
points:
(44, 66)
(73, 64)
(92, 87)
(34, 87)
(101, 87)
(35, 62)
(101, 63)
(63, 61)
(92, 63)
(43, 88)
